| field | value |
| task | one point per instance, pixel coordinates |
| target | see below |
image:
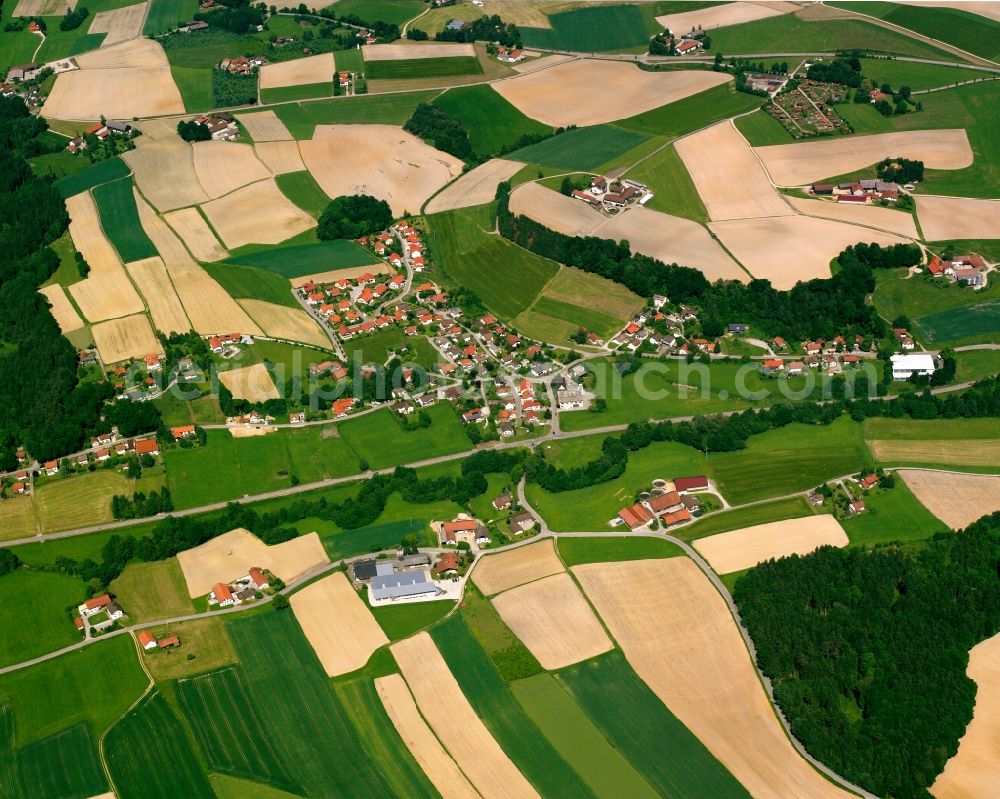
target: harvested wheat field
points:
(436, 763)
(299, 72)
(805, 162)
(163, 165)
(252, 383)
(475, 187)
(194, 231)
(62, 309)
(280, 156)
(975, 770)
(280, 321)
(869, 215)
(264, 126)
(450, 715)
(42, 8)
(338, 624)
(741, 549)
(106, 293)
(135, 54)
(815, 243)
(409, 51)
(591, 92)
(722, 15)
(554, 621)
(381, 160)
(261, 215)
(333, 275)
(729, 179)
(956, 498)
(676, 632)
(223, 167)
(252, 432)
(150, 275)
(121, 24)
(536, 64)
(496, 573)
(122, 339)
(958, 218)
(233, 554)
(555, 210)
(958, 452)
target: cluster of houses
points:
(862, 192)
(660, 329)
(241, 65)
(227, 345)
(243, 589)
(671, 502)
(97, 614)
(149, 642)
(406, 578)
(104, 448)
(966, 270)
(102, 131)
(687, 43)
(221, 125)
(612, 196)
(509, 55)
(342, 305)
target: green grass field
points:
(303, 190)
(304, 259)
(692, 113)
(379, 439)
(977, 364)
(101, 172)
(491, 121)
(163, 15)
(779, 510)
(306, 91)
(973, 322)
(207, 48)
(373, 538)
(885, 429)
(595, 758)
(152, 590)
(375, 348)
(891, 515)
(575, 316)
(673, 761)
(504, 276)
(252, 283)
(149, 754)
(120, 220)
(58, 693)
(393, 12)
(402, 621)
(41, 597)
(210, 702)
(289, 359)
(85, 499)
(227, 787)
(673, 190)
(916, 76)
(15, 47)
(195, 86)
(575, 551)
(601, 29)
(8, 760)
(494, 703)
(582, 149)
(761, 129)
(205, 646)
(387, 109)
(62, 44)
(62, 766)
(915, 298)
(423, 68)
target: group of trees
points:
(189, 130)
(867, 650)
(351, 216)
(439, 130)
(235, 16)
(141, 504)
(74, 18)
(840, 70)
(484, 29)
(900, 170)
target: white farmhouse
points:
(905, 366)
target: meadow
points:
(373, 538)
(380, 440)
(205, 646)
(85, 499)
(761, 129)
(673, 761)
(102, 172)
(895, 295)
(423, 68)
(673, 190)
(692, 113)
(402, 621)
(120, 220)
(492, 123)
(251, 283)
(392, 12)
(152, 590)
(163, 15)
(301, 119)
(307, 91)
(375, 348)
(576, 551)
(738, 518)
(43, 598)
(62, 766)
(977, 321)
(891, 515)
(303, 190)
(600, 29)
(195, 86)
(305, 259)
(916, 76)
(149, 754)
(209, 47)
(582, 149)
(576, 316)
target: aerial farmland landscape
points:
(500, 399)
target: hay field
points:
(196, 234)
(815, 242)
(121, 24)
(223, 167)
(150, 275)
(381, 160)
(264, 126)
(958, 218)
(407, 52)
(475, 187)
(436, 763)
(231, 555)
(805, 162)
(108, 83)
(333, 275)
(121, 339)
(956, 498)
(251, 383)
(591, 92)
(975, 770)
(729, 179)
(163, 164)
(869, 215)
(299, 72)
(554, 621)
(62, 309)
(450, 715)
(42, 8)
(676, 632)
(206, 303)
(106, 293)
(496, 573)
(741, 549)
(280, 156)
(338, 624)
(260, 214)
(954, 452)
(281, 321)
(722, 15)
